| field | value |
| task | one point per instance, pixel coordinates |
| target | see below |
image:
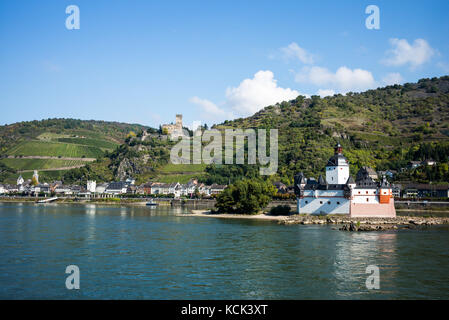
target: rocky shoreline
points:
(367, 224)
(344, 223)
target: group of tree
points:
(247, 196)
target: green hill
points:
(56, 146)
(382, 128)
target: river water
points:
(144, 253)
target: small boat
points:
(151, 203)
(47, 200)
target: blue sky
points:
(145, 61)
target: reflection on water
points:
(153, 253)
(355, 253)
(90, 209)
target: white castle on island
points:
(340, 194)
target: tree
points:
(196, 194)
(34, 181)
(245, 197)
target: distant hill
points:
(55, 146)
(382, 128)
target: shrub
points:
(280, 211)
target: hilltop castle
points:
(340, 194)
(174, 130)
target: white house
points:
(173, 187)
(217, 188)
(101, 188)
(91, 186)
(62, 189)
(117, 188)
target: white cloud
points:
(211, 109)
(246, 99)
(344, 79)
(325, 92)
(253, 94)
(293, 51)
(403, 53)
(392, 78)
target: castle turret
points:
(179, 121)
(385, 191)
(35, 178)
(91, 185)
(350, 182)
(300, 183)
(337, 168)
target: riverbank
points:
(345, 222)
(368, 224)
(207, 214)
(116, 201)
(71, 201)
(436, 207)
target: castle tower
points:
(385, 192)
(337, 168)
(36, 177)
(179, 121)
(91, 185)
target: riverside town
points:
(217, 153)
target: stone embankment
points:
(367, 224)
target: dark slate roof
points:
(366, 171)
(363, 180)
(300, 179)
(326, 187)
(427, 187)
(333, 161)
(117, 185)
(350, 180)
(321, 180)
(384, 182)
(279, 184)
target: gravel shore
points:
(346, 223)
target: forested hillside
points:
(55, 146)
(383, 128)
